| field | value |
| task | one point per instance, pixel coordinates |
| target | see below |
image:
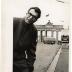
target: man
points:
(24, 41)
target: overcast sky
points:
(58, 12)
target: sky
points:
(59, 13)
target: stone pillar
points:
(52, 33)
(56, 36)
(37, 35)
(41, 35)
(46, 33)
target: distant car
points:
(47, 40)
(65, 38)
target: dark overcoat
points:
(24, 45)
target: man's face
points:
(31, 17)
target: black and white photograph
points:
(35, 35)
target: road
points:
(44, 56)
(63, 62)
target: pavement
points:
(54, 62)
(63, 62)
(45, 55)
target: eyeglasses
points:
(34, 17)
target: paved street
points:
(44, 56)
(63, 62)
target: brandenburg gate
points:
(46, 28)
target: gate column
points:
(56, 36)
(41, 35)
(52, 33)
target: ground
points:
(45, 55)
(63, 62)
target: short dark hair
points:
(36, 10)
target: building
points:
(49, 27)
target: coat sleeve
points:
(15, 23)
(31, 51)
